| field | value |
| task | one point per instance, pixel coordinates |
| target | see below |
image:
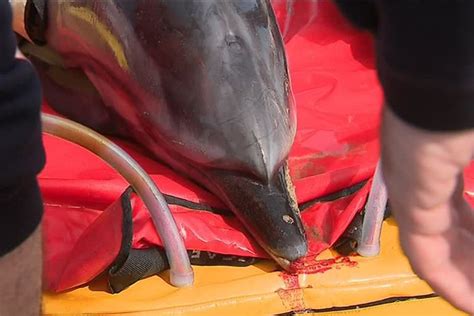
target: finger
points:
(445, 262)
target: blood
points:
(292, 294)
(291, 280)
(309, 265)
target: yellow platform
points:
(384, 285)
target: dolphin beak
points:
(268, 210)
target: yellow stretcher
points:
(384, 285)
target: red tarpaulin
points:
(338, 104)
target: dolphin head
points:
(205, 86)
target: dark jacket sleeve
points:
(21, 150)
(425, 58)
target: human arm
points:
(423, 172)
(21, 159)
(425, 63)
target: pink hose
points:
(369, 244)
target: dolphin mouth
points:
(268, 211)
(298, 252)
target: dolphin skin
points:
(202, 84)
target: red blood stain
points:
(310, 265)
(292, 299)
(290, 280)
(292, 295)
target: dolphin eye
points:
(233, 41)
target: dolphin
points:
(202, 84)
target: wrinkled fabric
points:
(338, 103)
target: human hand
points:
(423, 172)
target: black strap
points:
(132, 265)
(140, 264)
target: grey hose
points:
(181, 271)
